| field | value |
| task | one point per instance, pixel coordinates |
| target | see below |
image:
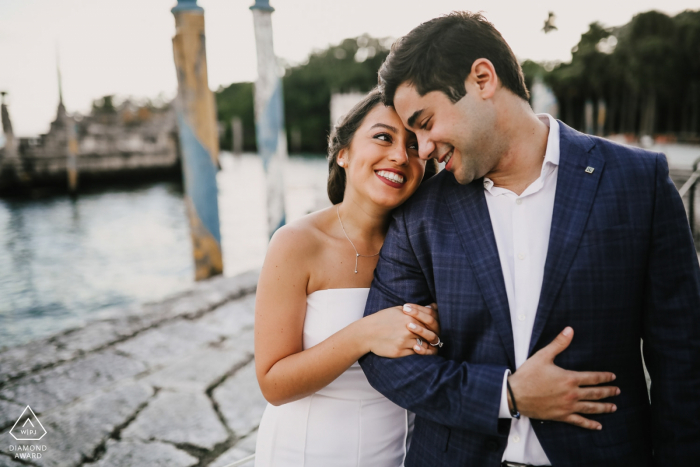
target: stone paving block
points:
(64, 383)
(26, 358)
(178, 417)
(242, 449)
(9, 462)
(17, 361)
(230, 318)
(201, 368)
(75, 431)
(140, 454)
(240, 400)
(90, 337)
(168, 342)
(9, 413)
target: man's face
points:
(459, 134)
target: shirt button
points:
(518, 201)
(521, 256)
(521, 317)
(516, 439)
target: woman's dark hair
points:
(438, 56)
(341, 137)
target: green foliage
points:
(104, 105)
(531, 70)
(647, 72)
(626, 67)
(349, 66)
(236, 100)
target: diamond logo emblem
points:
(28, 427)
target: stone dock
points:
(166, 384)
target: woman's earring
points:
(341, 163)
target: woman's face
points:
(382, 162)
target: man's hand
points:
(545, 391)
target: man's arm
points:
(456, 394)
(465, 395)
(671, 331)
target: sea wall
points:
(170, 383)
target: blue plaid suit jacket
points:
(621, 268)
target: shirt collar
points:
(551, 155)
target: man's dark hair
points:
(438, 56)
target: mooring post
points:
(68, 125)
(269, 115)
(72, 153)
(237, 136)
(199, 142)
(11, 162)
(691, 201)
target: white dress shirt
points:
(521, 225)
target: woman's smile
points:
(391, 177)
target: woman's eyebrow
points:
(384, 125)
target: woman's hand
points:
(428, 316)
(394, 332)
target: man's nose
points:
(426, 147)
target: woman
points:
(309, 329)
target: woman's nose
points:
(399, 155)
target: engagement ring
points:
(438, 344)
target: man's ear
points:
(483, 78)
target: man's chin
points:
(462, 178)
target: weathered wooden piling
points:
(10, 164)
(196, 118)
(269, 115)
(237, 136)
(68, 124)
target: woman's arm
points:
(285, 371)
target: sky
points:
(124, 47)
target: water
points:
(64, 262)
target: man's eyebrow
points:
(384, 125)
(412, 118)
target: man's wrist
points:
(512, 404)
(504, 409)
(510, 400)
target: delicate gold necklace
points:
(357, 255)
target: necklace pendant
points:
(357, 254)
(355, 272)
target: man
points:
(534, 232)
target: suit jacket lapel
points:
(470, 213)
(576, 190)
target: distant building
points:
(342, 103)
(113, 142)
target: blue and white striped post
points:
(199, 140)
(269, 115)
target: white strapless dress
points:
(347, 423)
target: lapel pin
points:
(589, 170)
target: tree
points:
(236, 100)
(349, 66)
(647, 72)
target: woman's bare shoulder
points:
(302, 237)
